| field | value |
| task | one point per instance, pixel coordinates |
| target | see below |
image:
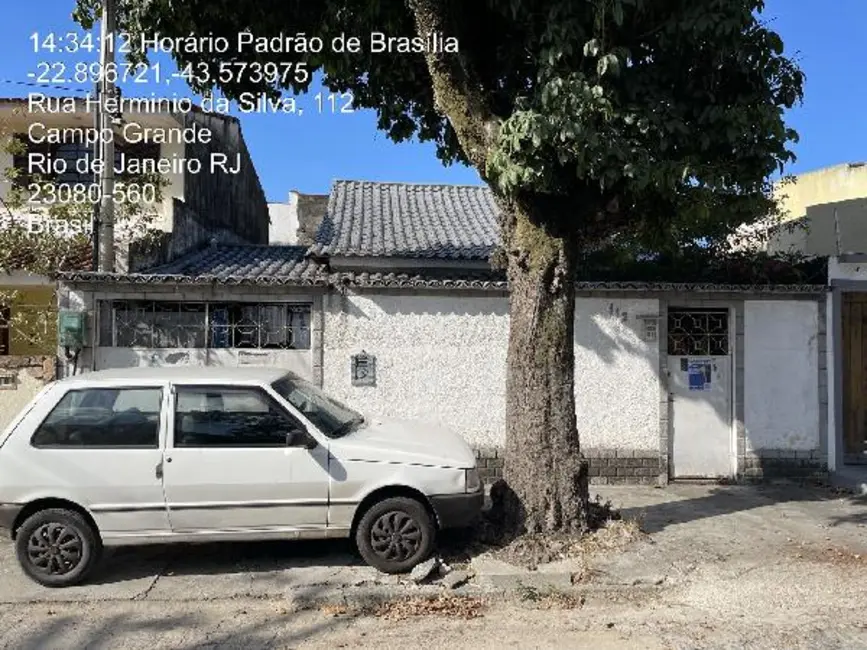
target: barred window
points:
(698, 332)
(162, 324)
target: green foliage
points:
(700, 265)
(658, 121)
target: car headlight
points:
(472, 481)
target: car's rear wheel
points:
(395, 534)
(57, 547)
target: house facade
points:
(396, 310)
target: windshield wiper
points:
(346, 427)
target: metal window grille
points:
(698, 332)
(160, 324)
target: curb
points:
(508, 588)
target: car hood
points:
(405, 441)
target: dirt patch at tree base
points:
(531, 551)
(607, 531)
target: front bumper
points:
(8, 515)
(458, 510)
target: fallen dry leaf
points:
(333, 610)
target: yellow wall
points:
(32, 299)
(829, 185)
(28, 382)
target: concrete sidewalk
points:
(694, 531)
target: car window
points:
(219, 416)
(330, 416)
(103, 417)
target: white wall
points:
(781, 374)
(298, 361)
(443, 358)
(283, 229)
(173, 190)
(616, 375)
(438, 358)
(846, 270)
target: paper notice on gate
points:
(699, 374)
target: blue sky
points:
(308, 152)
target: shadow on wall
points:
(608, 329)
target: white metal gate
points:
(700, 384)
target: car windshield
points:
(330, 416)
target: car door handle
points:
(159, 470)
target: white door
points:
(700, 385)
(103, 445)
(228, 466)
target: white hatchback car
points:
(155, 455)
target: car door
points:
(230, 466)
(101, 447)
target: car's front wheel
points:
(395, 534)
(57, 547)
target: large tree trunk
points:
(546, 475)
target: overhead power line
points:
(38, 85)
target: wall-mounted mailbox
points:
(71, 329)
(363, 369)
(649, 327)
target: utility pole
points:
(105, 236)
(97, 178)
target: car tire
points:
(57, 547)
(395, 534)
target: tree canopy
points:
(666, 117)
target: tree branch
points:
(457, 91)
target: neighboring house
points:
(822, 213)
(296, 222)
(28, 325)
(200, 205)
(396, 310)
(847, 364)
(196, 209)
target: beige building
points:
(823, 212)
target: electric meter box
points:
(71, 329)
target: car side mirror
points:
(300, 438)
